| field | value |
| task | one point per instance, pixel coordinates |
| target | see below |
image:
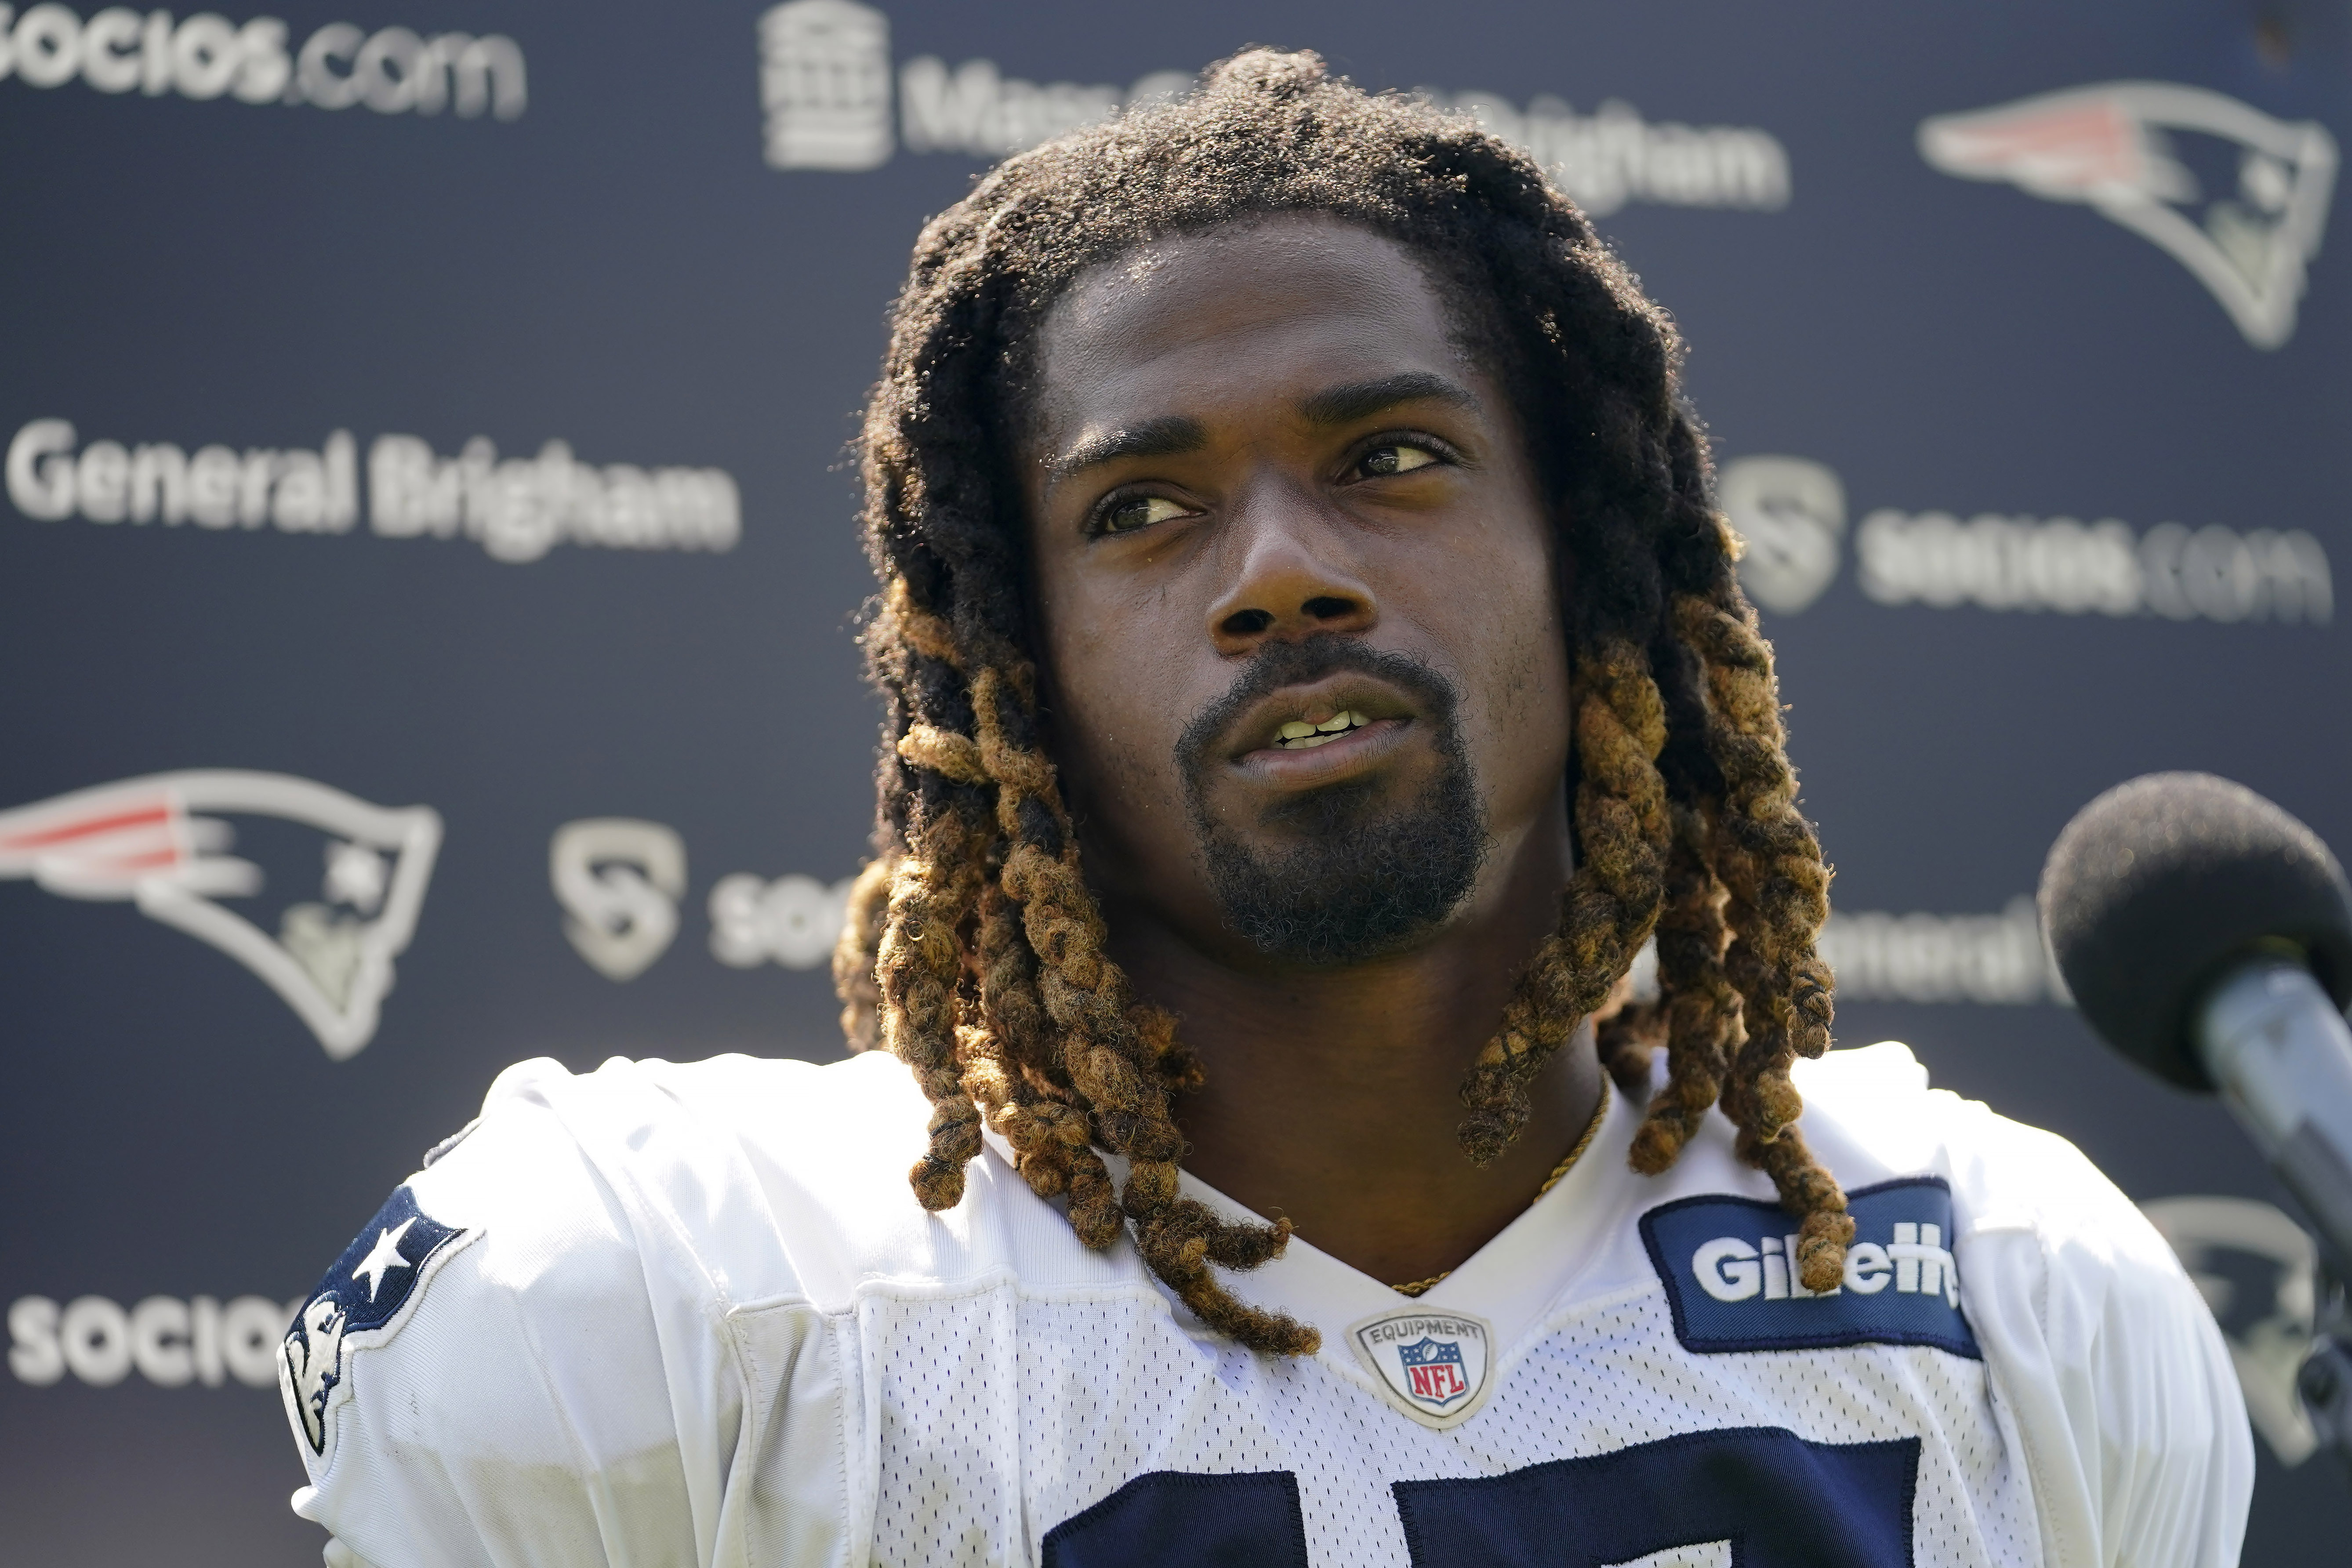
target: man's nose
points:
(1296, 574)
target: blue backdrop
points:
(426, 569)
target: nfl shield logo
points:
(1433, 1366)
(1433, 1372)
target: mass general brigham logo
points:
(1435, 1365)
(827, 85)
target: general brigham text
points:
(516, 508)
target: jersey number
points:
(1781, 1501)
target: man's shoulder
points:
(770, 1099)
(2106, 1354)
(728, 1175)
(660, 1120)
(1873, 1117)
(548, 1297)
(746, 1179)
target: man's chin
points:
(1350, 899)
(1359, 868)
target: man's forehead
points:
(1284, 307)
(1179, 273)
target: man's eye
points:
(1139, 511)
(1396, 458)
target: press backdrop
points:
(426, 571)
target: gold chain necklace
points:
(1592, 1131)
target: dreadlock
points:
(973, 949)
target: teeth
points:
(1298, 735)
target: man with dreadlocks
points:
(1314, 671)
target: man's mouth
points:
(1309, 717)
(1299, 734)
(1297, 698)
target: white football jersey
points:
(664, 1314)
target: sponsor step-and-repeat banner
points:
(428, 581)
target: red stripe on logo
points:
(42, 838)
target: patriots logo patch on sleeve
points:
(1728, 1266)
(366, 1297)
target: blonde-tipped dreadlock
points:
(973, 949)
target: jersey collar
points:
(1555, 1246)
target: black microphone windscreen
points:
(2160, 883)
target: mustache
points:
(1285, 664)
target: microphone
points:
(2206, 935)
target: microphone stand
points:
(2281, 1052)
(2325, 1381)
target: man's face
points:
(1299, 617)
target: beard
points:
(1360, 876)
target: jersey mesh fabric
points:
(1107, 1391)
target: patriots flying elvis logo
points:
(2126, 149)
(160, 842)
(366, 1299)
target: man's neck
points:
(1333, 1094)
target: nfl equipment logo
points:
(1433, 1371)
(1433, 1366)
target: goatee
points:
(1361, 877)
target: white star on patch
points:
(384, 1257)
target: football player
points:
(1314, 670)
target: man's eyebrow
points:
(1166, 436)
(1346, 404)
